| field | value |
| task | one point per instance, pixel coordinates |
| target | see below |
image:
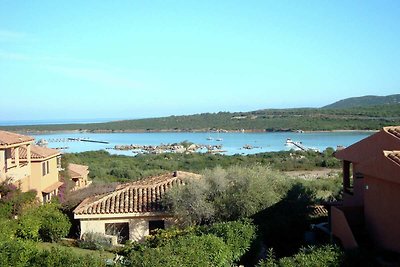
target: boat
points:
(219, 139)
(210, 138)
(42, 142)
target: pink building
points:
(371, 192)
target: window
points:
(121, 230)
(154, 225)
(59, 162)
(45, 168)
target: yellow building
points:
(79, 175)
(28, 166)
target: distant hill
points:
(267, 120)
(362, 101)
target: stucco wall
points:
(382, 216)
(40, 182)
(138, 226)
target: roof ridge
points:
(393, 130)
(393, 155)
(149, 191)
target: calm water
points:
(232, 143)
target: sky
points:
(135, 59)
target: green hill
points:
(307, 119)
(368, 100)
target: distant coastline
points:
(371, 118)
(38, 132)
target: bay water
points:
(232, 143)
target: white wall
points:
(138, 227)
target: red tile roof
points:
(37, 152)
(52, 187)
(9, 138)
(137, 197)
(77, 171)
(394, 155)
(394, 130)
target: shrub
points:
(190, 250)
(17, 253)
(46, 222)
(28, 227)
(311, 257)
(231, 194)
(237, 235)
(54, 224)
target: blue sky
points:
(131, 59)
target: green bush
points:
(19, 253)
(226, 194)
(308, 257)
(46, 222)
(28, 227)
(54, 224)
(190, 250)
(237, 235)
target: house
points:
(371, 191)
(13, 168)
(28, 166)
(79, 175)
(133, 210)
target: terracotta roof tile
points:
(394, 130)
(319, 210)
(76, 170)
(137, 197)
(9, 138)
(37, 152)
(52, 187)
(394, 155)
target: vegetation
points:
(226, 194)
(220, 244)
(111, 168)
(310, 119)
(311, 256)
(369, 100)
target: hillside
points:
(368, 100)
(307, 119)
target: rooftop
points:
(394, 156)
(394, 130)
(9, 138)
(137, 197)
(37, 152)
(77, 170)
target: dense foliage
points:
(329, 256)
(226, 194)
(355, 118)
(220, 244)
(368, 100)
(19, 253)
(108, 168)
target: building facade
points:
(133, 210)
(28, 166)
(371, 191)
(79, 176)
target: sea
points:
(231, 143)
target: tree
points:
(226, 194)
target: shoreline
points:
(38, 132)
